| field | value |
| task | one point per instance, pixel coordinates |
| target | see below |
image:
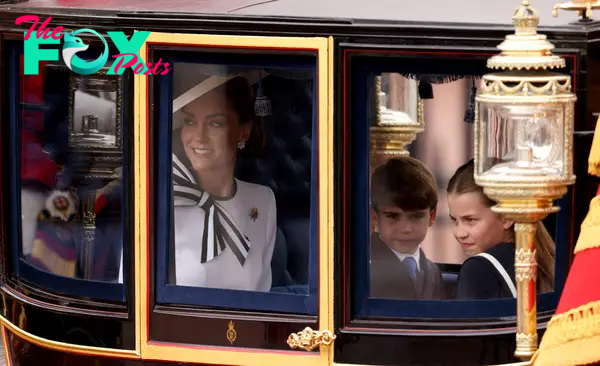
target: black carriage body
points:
(40, 323)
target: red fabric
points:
(35, 163)
(31, 87)
(101, 202)
(583, 282)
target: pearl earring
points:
(241, 145)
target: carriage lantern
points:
(391, 131)
(523, 149)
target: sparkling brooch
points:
(253, 213)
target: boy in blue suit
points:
(403, 202)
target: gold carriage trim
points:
(572, 338)
(590, 228)
(594, 157)
(583, 7)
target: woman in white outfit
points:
(224, 228)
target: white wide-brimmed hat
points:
(192, 80)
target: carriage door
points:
(234, 204)
(401, 245)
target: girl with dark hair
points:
(488, 240)
(224, 228)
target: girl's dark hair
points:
(463, 181)
(240, 95)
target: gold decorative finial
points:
(525, 49)
(583, 7)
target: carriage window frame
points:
(360, 66)
(161, 189)
(19, 269)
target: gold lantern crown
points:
(525, 76)
(525, 16)
(526, 57)
(525, 49)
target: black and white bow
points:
(220, 230)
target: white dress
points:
(32, 202)
(254, 212)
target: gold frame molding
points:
(199, 354)
(8, 326)
(7, 354)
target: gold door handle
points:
(309, 339)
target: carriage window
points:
(238, 160)
(431, 232)
(68, 131)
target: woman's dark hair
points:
(240, 95)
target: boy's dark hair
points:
(404, 182)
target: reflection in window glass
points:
(242, 160)
(71, 175)
(433, 234)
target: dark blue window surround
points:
(362, 69)
(22, 269)
(285, 300)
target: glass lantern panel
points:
(522, 139)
